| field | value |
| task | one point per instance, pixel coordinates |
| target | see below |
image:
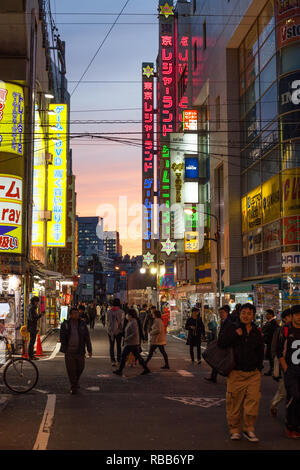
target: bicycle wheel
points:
(20, 375)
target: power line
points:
(101, 45)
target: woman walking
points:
(243, 383)
(158, 339)
(196, 330)
(132, 343)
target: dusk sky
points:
(105, 171)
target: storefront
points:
(11, 304)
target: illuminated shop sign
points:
(166, 109)
(288, 21)
(271, 200)
(291, 192)
(289, 93)
(148, 152)
(10, 214)
(291, 260)
(39, 182)
(254, 209)
(192, 242)
(183, 74)
(12, 112)
(57, 175)
(190, 120)
(291, 230)
(191, 168)
(166, 9)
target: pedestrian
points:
(280, 395)
(115, 325)
(196, 330)
(224, 313)
(3, 336)
(75, 339)
(149, 321)
(158, 339)
(32, 320)
(166, 318)
(268, 331)
(212, 327)
(92, 313)
(98, 312)
(142, 318)
(288, 353)
(103, 314)
(235, 315)
(131, 343)
(82, 314)
(244, 381)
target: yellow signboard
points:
(191, 242)
(271, 200)
(10, 214)
(39, 182)
(57, 175)
(12, 117)
(244, 215)
(291, 192)
(254, 209)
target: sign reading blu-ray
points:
(191, 168)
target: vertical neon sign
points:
(166, 107)
(148, 153)
(183, 72)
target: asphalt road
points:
(172, 409)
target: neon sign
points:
(10, 214)
(166, 10)
(11, 118)
(148, 152)
(57, 176)
(183, 71)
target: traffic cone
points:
(39, 350)
(24, 349)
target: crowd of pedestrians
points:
(129, 330)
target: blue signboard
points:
(191, 168)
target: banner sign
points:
(12, 112)
(57, 175)
(10, 214)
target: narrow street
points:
(175, 409)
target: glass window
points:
(251, 154)
(252, 71)
(244, 189)
(290, 126)
(251, 95)
(267, 50)
(242, 84)
(252, 124)
(255, 265)
(268, 75)
(270, 165)
(268, 106)
(266, 22)
(251, 44)
(254, 176)
(272, 261)
(289, 58)
(290, 155)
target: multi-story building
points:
(237, 65)
(111, 241)
(33, 160)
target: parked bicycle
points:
(20, 375)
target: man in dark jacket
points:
(75, 339)
(224, 313)
(243, 383)
(196, 331)
(268, 331)
(32, 320)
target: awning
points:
(248, 286)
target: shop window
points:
(268, 75)
(289, 58)
(272, 261)
(290, 155)
(252, 71)
(269, 138)
(290, 126)
(252, 124)
(266, 22)
(255, 267)
(269, 106)
(251, 95)
(267, 50)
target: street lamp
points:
(217, 239)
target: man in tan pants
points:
(243, 383)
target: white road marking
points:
(41, 391)
(185, 373)
(93, 389)
(42, 439)
(53, 354)
(198, 401)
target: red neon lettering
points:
(170, 117)
(168, 101)
(167, 81)
(148, 86)
(148, 118)
(148, 145)
(183, 102)
(184, 41)
(167, 129)
(167, 69)
(148, 95)
(166, 41)
(149, 158)
(148, 128)
(148, 166)
(166, 56)
(185, 58)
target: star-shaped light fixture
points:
(166, 10)
(148, 71)
(168, 247)
(148, 258)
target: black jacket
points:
(248, 349)
(268, 331)
(83, 333)
(32, 319)
(194, 335)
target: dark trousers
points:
(75, 366)
(292, 385)
(162, 351)
(214, 374)
(116, 339)
(92, 322)
(269, 357)
(135, 351)
(32, 343)
(198, 346)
